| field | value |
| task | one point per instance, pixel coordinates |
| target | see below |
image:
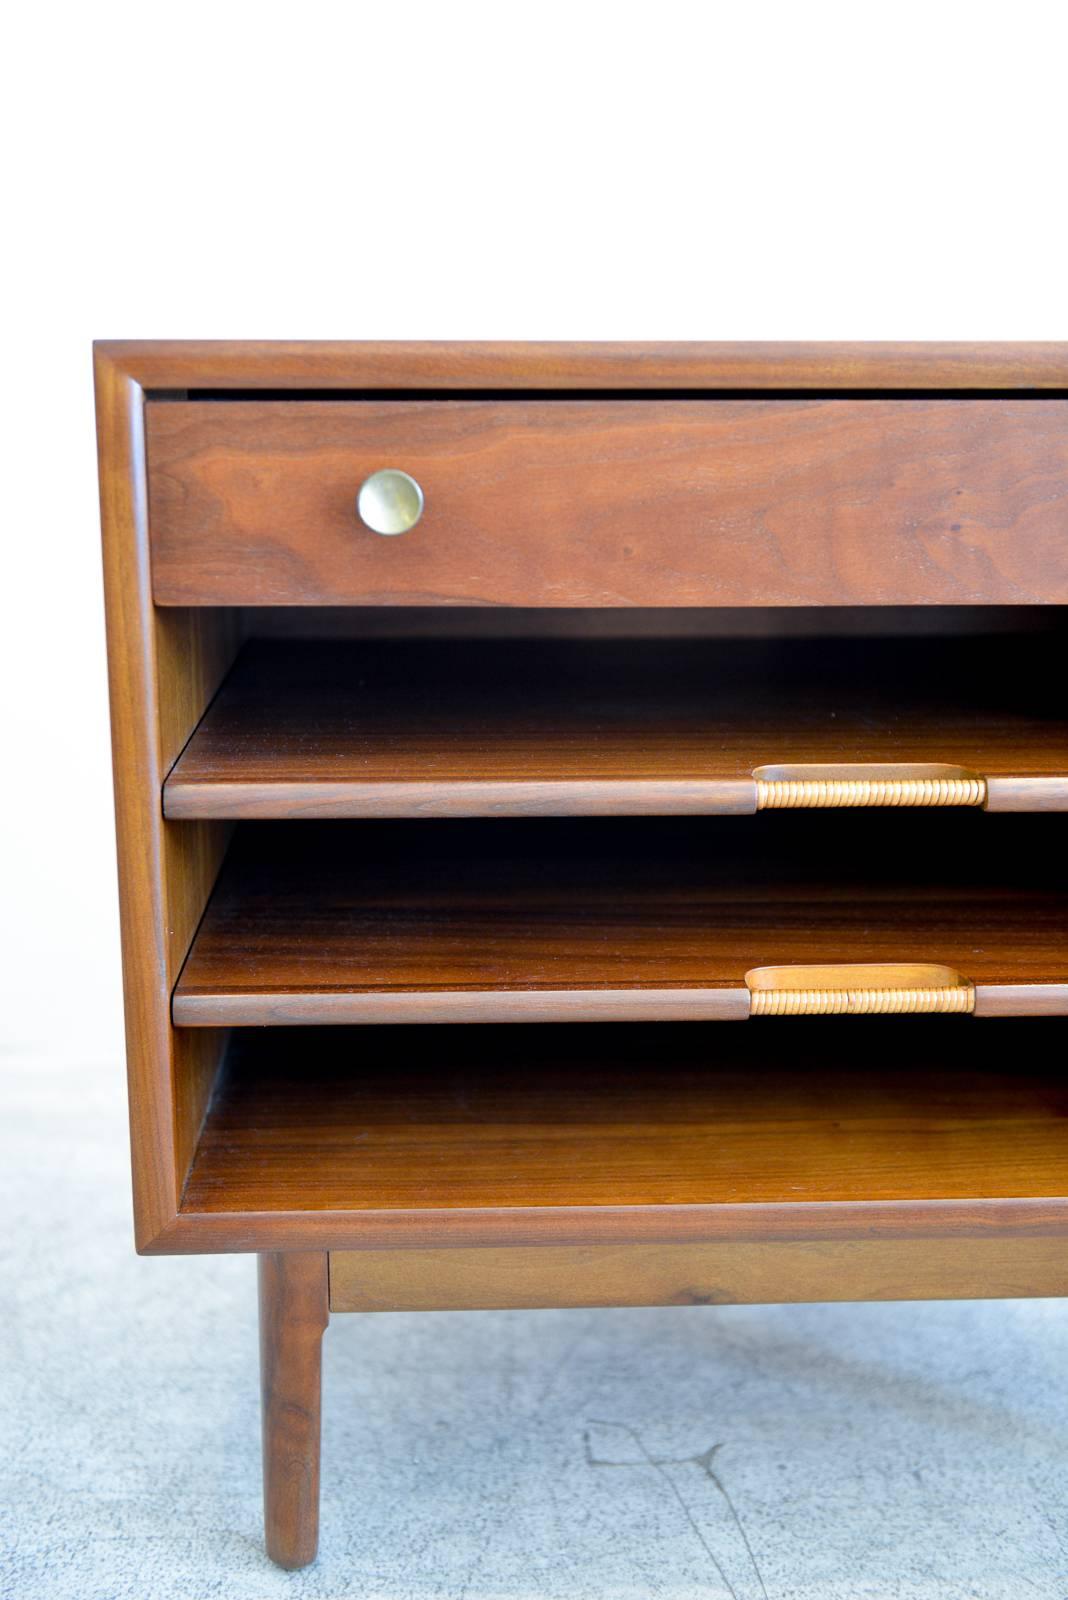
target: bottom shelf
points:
(570, 1134)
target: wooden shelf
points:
(526, 1134)
(570, 727)
(616, 919)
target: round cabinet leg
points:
(294, 1312)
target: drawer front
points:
(613, 502)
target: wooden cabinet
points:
(480, 881)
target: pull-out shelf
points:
(618, 920)
(415, 728)
(854, 1158)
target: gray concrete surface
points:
(830, 1453)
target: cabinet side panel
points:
(162, 673)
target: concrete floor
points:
(775, 1453)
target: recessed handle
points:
(389, 502)
(818, 785)
(857, 989)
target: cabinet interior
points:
(439, 802)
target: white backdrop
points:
(453, 170)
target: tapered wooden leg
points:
(294, 1312)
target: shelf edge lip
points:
(185, 800)
(193, 1232)
(1046, 793)
(1021, 999)
(728, 1003)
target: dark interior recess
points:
(1021, 392)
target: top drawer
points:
(561, 502)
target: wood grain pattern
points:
(329, 922)
(601, 727)
(613, 503)
(162, 671)
(169, 364)
(438, 1137)
(294, 1313)
(721, 1273)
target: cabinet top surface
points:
(450, 365)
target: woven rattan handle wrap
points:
(817, 786)
(861, 989)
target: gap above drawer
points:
(562, 502)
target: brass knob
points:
(389, 502)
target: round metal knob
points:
(389, 501)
